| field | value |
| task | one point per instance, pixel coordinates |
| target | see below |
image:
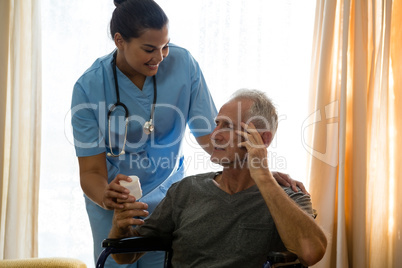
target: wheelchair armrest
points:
(133, 245)
(138, 244)
(281, 257)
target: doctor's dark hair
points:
(132, 17)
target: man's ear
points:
(267, 137)
(118, 41)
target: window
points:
(255, 44)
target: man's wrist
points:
(120, 233)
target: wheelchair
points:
(146, 244)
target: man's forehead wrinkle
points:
(224, 119)
(235, 112)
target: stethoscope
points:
(148, 126)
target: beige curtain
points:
(354, 131)
(20, 117)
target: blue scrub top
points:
(182, 98)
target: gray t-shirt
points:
(211, 228)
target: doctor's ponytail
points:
(118, 2)
(132, 17)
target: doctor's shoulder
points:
(93, 77)
(179, 54)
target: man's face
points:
(225, 140)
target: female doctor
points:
(129, 113)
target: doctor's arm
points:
(94, 182)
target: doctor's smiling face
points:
(140, 32)
(141, 56)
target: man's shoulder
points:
(302, 199)
(295, 195)
(193, 180)
(190, 186)
(198, 178)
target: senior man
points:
(231, 218)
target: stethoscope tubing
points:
(148, 126)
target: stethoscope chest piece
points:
(148, 127)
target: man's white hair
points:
(262, 112)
